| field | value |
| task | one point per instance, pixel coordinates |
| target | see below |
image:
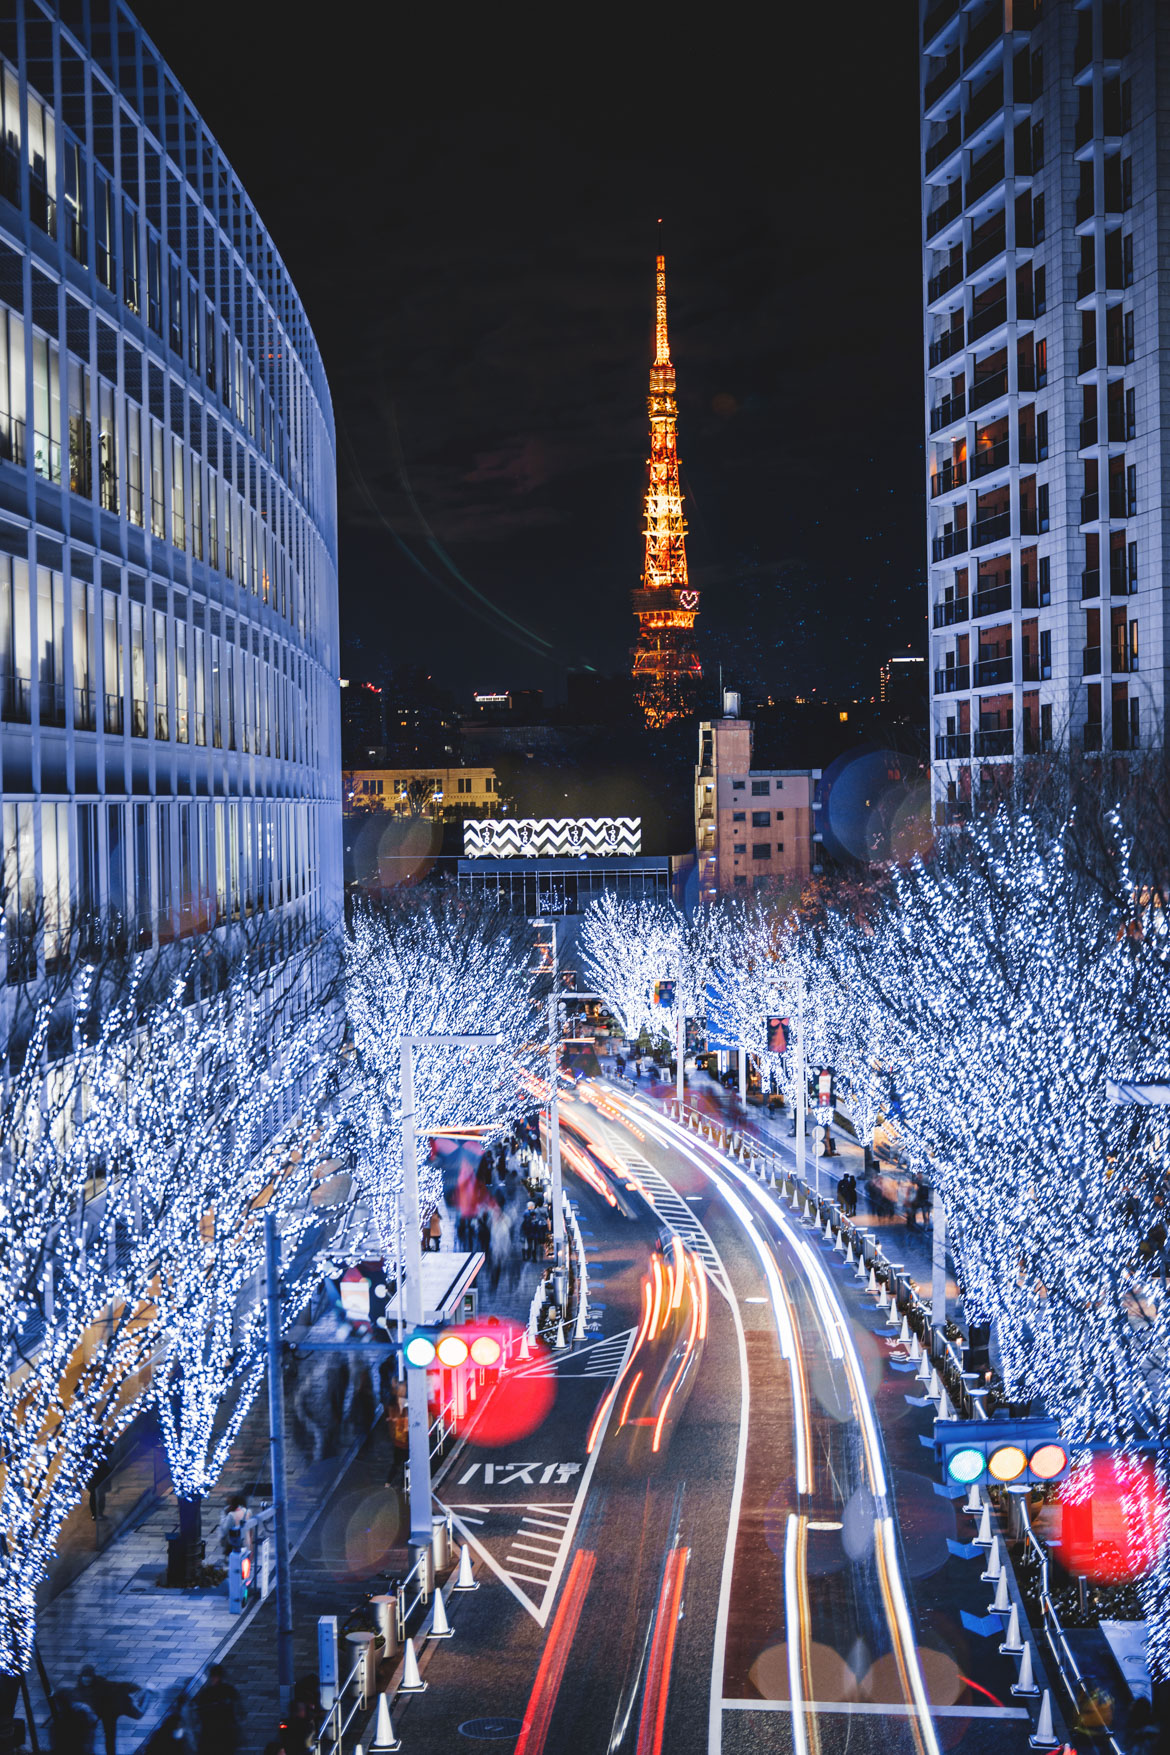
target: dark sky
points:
(467, 199)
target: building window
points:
(12, 388)
(739, 847)
(779, 846)
(737, 785)
(739, 816)
(761, 849)
(1131, 490)
(740, 881)
(46, 408)
(761, 819)
(761, 788)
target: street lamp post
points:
(554, 1109)
(416, 1376)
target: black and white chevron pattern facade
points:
(553, 837)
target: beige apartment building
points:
(441, 794)
(753, 826)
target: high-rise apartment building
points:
(1046, 211)
(169, 721)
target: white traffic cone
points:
(883, 1302)
(525, 1349)
(983, 1536)
(1002, 1602)
(892, 1317)
(915, 1349)
(561, 1343)
(440, 1627)
(922, 1375)
(994, 1564)
(579, 1325)
(465, 1580)
(935, 1389)
(412, 1682)
(384, 1738)
(904, 1332)
(1013, 1645)
(850, 1258)
(861, 1267)
(1027, 1683)
(871, 1283)
(973, 1504)
(1044, 1738)
(794, 1203)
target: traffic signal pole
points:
(554, 1118)
(284, 1621)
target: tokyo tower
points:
(666, 662)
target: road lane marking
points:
(538, 1717)
(891, 1709)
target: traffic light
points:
(776, 1031)
(1004, 1453)
(449, 1347)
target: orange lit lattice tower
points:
(666, 663)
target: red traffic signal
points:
(776, 1031)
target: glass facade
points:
(169, 701)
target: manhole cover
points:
(491, 1730)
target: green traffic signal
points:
(965, 1466)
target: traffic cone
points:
(883, 1298)
(849, 1255)
(412, 1682)
(935, 1389)
(861, 1270)
(561, 1342)
(1044, 1738)
(922, 1375)
(904, 1332)
(440, 1627)
(915, 1349)
(384, 1738)
(871, 1284)
(1002, 1602)
(984, 1537)
(974, 1501)
(525, 1349)
(1027, 1685)
(465, 1580)
(1013, 1645)
(794, 1203)
(579, 1327)
(994, 1563)
(892, 1317)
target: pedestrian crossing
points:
(537, 1544)
(677, 1214)
(599, 1359)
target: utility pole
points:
(938, 1261)
(284, 1620)
(416, 1376)
(554, 1105)
(681, 1049)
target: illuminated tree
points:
(628, 946)
(436, 963)
(216, 1111)
(76, 1335)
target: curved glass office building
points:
(168, 550)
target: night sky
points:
(467, 200)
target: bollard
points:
(440, 1627)
(1044, 1738)
(384, 1738)
(386, 1609)
(1027, 1683)
(364, 1653)
(412, 1682)
(439, 1552)
(465, 1580)
(423, 1556)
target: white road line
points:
(542, 1524)
(892, 1709)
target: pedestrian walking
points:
(110, 1701)
(435, 1231)
(74, 1726)
(217, 1710)
(231, 1526)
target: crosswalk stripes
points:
(536, 1546)
(675, 1211)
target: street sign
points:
(1003, 1453)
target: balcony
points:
(1090, 507)
(944, 146)
(943, 79)
(950, 746)
(951, 542)
(985, 246)
(1118, 506)
(985, 174)
(993, 529)
(984, 104)
(949, 410)
(1084, 206)
(993, 672)
(945, 212)
(51, 703)
(1035, 743)
(952, 679)
(84, 709)
(982, 37)
(1091, 737)
(1091, 661)
(986, 390)
(946, 479)
(1032, 596)
(988, 458)
(115, 719)
(1120, 583)
(996, 600)
(1091, 582)
(1030, 667)
(1119, 430)
(955, 610)
(1122, 662)
(943, 281)
(937, 17)
(989, 317)
(1087, 357)
(946, 346)
(994, 743)
(1087, 433)
(1086, 281)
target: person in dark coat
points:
(109, 1701)
(74, 1725)
(217, 1708)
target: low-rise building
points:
(754, 827)
(442, 794)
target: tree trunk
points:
(9, 1695)
(190, 1538)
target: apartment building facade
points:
(754, 828)
(169, 718)
(1045, 279)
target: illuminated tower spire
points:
(666, 664)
